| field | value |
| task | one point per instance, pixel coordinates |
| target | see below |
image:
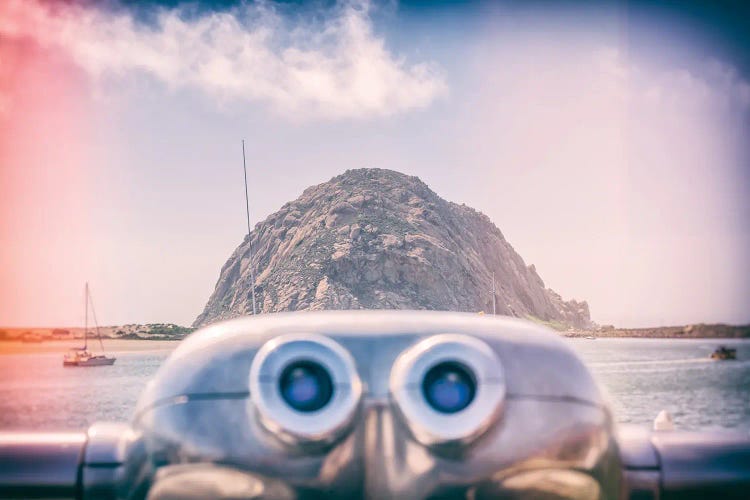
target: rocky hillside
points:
(378, 239)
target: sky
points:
(609, 143)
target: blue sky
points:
(607, 144)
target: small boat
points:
(724, 353)
(80, 356)
(590, 337)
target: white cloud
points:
(334, 69)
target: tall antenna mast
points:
(493, 295)
(250, 241)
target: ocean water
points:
(641, 376)
(644, 376)
(38, 393)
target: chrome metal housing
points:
(200, 409)
(432, 427)
(290, 425)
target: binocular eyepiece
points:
(306, 388)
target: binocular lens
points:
(306, 386)
(449, 387)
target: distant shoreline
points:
(699, 331)
(25, 339)
(151, 332)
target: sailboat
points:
(80, 356)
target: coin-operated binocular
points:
(373, 405)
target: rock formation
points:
(378, 239)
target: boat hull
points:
(724, 357)
(91, 362)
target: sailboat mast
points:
(250, 241)
(86, 318)
(96, 322)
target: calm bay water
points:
(642, 377)
(37, 392)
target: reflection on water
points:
(642, 377)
